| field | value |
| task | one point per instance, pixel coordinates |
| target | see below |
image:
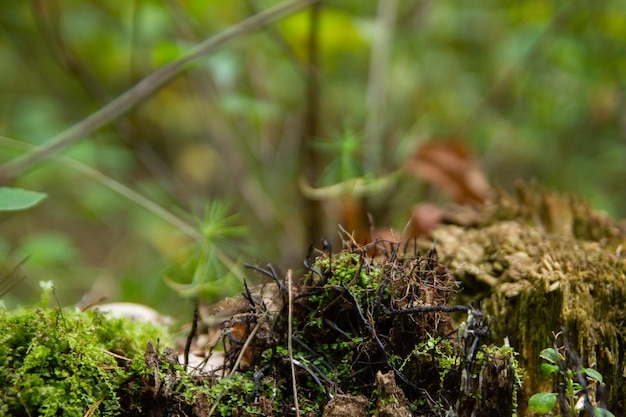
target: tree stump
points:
(543, 264)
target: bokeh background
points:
(349, 89)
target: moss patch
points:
(64, 362)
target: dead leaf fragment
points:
(449, 165)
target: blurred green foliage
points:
(12, 199)
(535, 88)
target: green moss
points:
(438, 357)
(60, 362)
(508, 354)
(233, 393)
(349, 268)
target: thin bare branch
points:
(377, 83)
(245, 346)
(118, 188)
(290, 342)
(145, 88)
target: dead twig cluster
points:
(354, 314)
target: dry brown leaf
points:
(449, 165)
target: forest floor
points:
(456, 328)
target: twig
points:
(576, 361)
(192, 333)
(290, 341)
(8, 280)
(235, 366)
(46, 15)
(377, 83)
(245, 347)
(130, 195)
(426, 309)
(116, 356)
(133, 196)
(145, 88)
(92, 410)
(309, 156)
(315, 378)
(114, 186)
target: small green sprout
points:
(544, 402)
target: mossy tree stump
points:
(541, 264)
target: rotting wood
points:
(540, 262)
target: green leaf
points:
(12, 199)
(601, 412)
(592, 373)
(542, 402)
(548, 369)
(550, 355)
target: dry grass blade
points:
(116, 356)
(92, 410)
(242, 353)
(290, 341)
(377, 83)
(9, 279)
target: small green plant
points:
(213, 267)
(573, 391)
(345, 150)
(438, 351)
